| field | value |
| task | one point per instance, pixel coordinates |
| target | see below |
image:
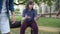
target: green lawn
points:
(49, 22)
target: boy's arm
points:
(11, 8)
(11, 5)
(36, 16)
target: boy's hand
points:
(37, 17)
(13, 18)
(27, 16)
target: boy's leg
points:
(23, 27)
(5, 27)
(34, 27)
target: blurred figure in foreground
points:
(5, 6)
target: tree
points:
(57, 4)
(20, 2)
(49, 2)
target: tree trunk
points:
(50, 11)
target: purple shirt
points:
(31, 13)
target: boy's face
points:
(31, 6)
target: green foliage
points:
(36, 1)
(44, 1)
(20, 2)
(17, 11)
(49, 2)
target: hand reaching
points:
(27, 16)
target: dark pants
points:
(32, 24)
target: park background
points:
(47, 23)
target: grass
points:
(49, 22)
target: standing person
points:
(58, 12)
(5, 6)
(29, 18)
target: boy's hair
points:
(29, 3)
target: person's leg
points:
(5, 27)
(23, 27)
(34, 28)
